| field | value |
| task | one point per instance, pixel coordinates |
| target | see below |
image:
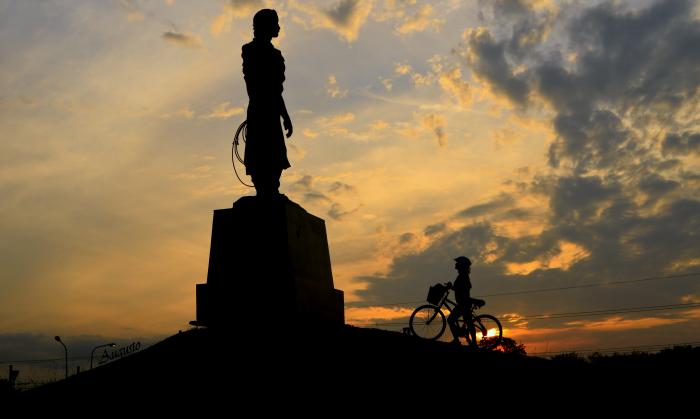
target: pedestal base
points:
(269, 262)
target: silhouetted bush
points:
(509, 346)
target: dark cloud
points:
(305, 182)
(636, 59)
(621, 245)
(635, 63)
(309, 191)
(344, 12)
(621, 82)
(406, 238)
(340, 187)
(630, 68)
(488, 208)
(338, 213)
(508, 8)
(516, 214)
(595, 141)
(410, 275)
(315, 196)
(681, 144)
(656, 185)
(434, 229)
(487, 57)
(576, 199)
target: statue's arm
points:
(287, 121)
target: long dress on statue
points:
(263, 71)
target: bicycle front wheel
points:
(427, 322)
(489, 331)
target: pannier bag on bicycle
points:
(435, 293)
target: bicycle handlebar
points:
(474, 301)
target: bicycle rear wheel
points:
(489, 331)
(427, 322)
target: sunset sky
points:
(555, 143)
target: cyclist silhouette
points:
(462, 288)
(263, 71)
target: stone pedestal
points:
(268, 263)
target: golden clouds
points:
(684, 264)
(362, 316)
(332, 88)
(422, 19)
(345, 18)
(690, 299)
(184, 112)
(402, 69)
(425, 123)
(223, 111)
(379, 125)
(620, 323)
(337, 119)
(451, 82)
(564, 256)
(309, 133)
(409, 16)
(447, 75)
(234, 9)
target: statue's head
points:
(266, 24)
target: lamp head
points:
(58, 338)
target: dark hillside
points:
(205, 365)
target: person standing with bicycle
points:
(462, 289)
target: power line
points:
(626, 310)
(608, 311)
(592, 285)
(534, 291)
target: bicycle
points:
(429, 322)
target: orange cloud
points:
(620, 323)
(368, 315)
(566, 256)
(332, 88)
(233, 9)
(419, 21)
(223, 111)
(345, 18)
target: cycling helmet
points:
(463, 260)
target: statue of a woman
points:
(263, 71)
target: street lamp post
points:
(58, 339)
(111, 345)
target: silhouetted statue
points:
(267, 247)
(462, 289)
(263, 71)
